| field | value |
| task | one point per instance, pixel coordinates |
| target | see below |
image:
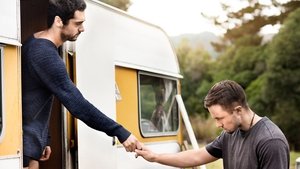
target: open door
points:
(62, 125)
(70, 141)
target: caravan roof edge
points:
(114, 9)
(148, 69)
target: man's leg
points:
(29, 163)
(33, 164)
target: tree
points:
(195, 65)
(121, 4)
(250, 19)
(242, 62)
(283, 82)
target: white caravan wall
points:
(112, 37)
(10, 21)
(95, 78)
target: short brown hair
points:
(226, 93)
(65, 9)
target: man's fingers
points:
(130, 147)
(137, 153)
(139, 145)
(132, 143)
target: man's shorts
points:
(26, 160)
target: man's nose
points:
(81, 28)
(219, 125)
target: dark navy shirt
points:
(44, 75)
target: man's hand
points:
(131, 144)
(46, 153)
(146, 153)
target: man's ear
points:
(58, 22)
(238, 109)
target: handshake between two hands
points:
(133, 145)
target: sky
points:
(177, 17)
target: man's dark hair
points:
(65, 9)
(227, 94)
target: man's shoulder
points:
(268, 130)
(38, 47)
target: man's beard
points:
(65, 37)
(230, 132)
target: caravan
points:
(126, 67)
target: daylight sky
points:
(178, 17)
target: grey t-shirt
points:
(264, 146)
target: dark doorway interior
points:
(33, 19)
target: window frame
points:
(160, 133)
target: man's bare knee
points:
(33, 164)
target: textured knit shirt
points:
(262, 147)
(44, 75)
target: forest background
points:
(267, 67)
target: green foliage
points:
(255, 95)
(283, 78)
(204, 128)
(250, 19)
(121, 4)
(195, 64)
(242, 62)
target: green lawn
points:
(293, 157)
(215, 165)
(218, 164)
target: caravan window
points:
(158, 109)
(1, 113)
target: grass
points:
(218, 164)
(215, 165)
(293, 156)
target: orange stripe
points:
(12, 139)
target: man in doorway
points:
(248, 141)
(44, 76)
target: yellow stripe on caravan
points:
(11, 141)
(127, 107)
